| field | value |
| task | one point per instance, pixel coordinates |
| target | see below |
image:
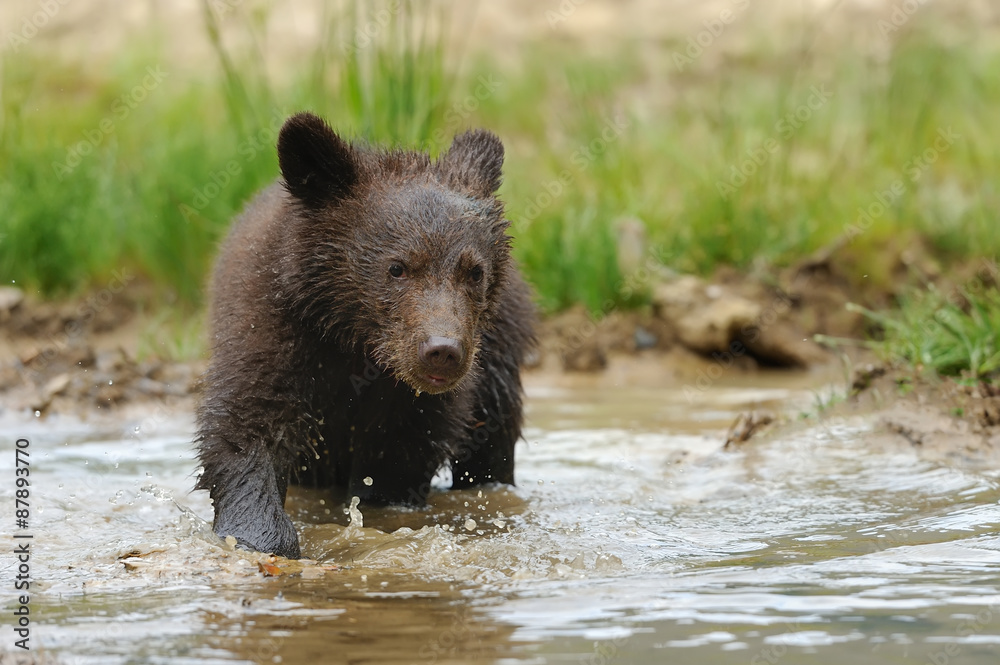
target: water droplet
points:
(368, 481)
(110, 382)
(357, 519)
(38, 414)
(470, 524)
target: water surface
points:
(633, 537)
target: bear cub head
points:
(393, 254)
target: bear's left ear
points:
(317, 165)
(473, 162)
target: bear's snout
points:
(442, 358)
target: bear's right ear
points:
(317, 165)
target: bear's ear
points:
(317, 165)
(473, 162)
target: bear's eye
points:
(476, 274)
(397, 269)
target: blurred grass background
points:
(752, 159)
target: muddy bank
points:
(98, 353)
(84, 356)
(943, 420)
(946, 420)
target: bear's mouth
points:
(436, 381)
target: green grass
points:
(953, 335)
(158, 191)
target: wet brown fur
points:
(317, 374)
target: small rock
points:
(644, 339)
(711, 318)
(682, 293)
(10, 298)
(135, 564)
(783, 345)
(55, 386)
(714, 326)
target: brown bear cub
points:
(367, 327)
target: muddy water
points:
(632, 538)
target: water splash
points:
(357, 519)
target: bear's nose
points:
(441, 353)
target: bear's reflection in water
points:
(361, 622)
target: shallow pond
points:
(633, 537)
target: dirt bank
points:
(104, 351)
